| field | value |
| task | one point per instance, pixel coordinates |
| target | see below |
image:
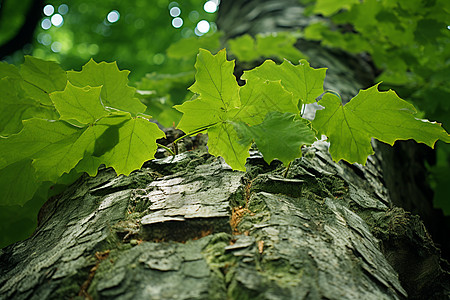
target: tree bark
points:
(191, 228)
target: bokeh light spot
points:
(113, 16)
(210, 7)
(194, 15)
(82, 48)
(63, 9)
(158, 58)
(44, 38)
(49, 10)
(175, 11)
(177, 22)
(203, 26)
(57, 20)
(93, 49)
(173, 4)
(56, 46)
(139, 23)
(84, 8)
(46, 24)
(187, 32)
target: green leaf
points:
(187, 48)
(280, 45)
(101, 138)
(27, 95)
(304, 82)
(115, 91)
(56, 147)
(329, 7)
(315, 30)
(428, 31)
(277, 45)
(371, 114)
(222, 138)
(218, 93)
(244, 48)
(9, 70)
(214, 80)
(17, 222)
(81, 104)
(136, 144)
(51, 144)
(18, 183)
(200, 113)
(160, 92)
(217, 101)
(259, 97)
(218, 105)
(13, 106)
(279, 136)
(163, 84)
(223, 141)
(121, 142)
(46, 75)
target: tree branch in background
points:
(26, 32)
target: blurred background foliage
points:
(408, 42)
(134, 33)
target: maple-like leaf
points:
(218, 98)
(279, 136)
(8, 70)
(259, 97)
(25, 93)
(115, 90)
(66, 124)
(56, 147)
(46, 75)
(371, 114)
(279, 45)
(14, 104)
(223, 141)
(50, 144)
(136, 144)
(214, 79)
(81, 104)
(221, 102)
(304, 82)
(187, 48)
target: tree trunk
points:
(191, 228)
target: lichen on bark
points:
(294, 236)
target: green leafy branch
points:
(85, 119)
(266, 110)
(72, 122)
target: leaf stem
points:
(194, 132)
(203, 128)
(39, 88)
(287, 170)
(329, 92)
(167, 148)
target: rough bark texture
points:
(403, 165)
(191, 228)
